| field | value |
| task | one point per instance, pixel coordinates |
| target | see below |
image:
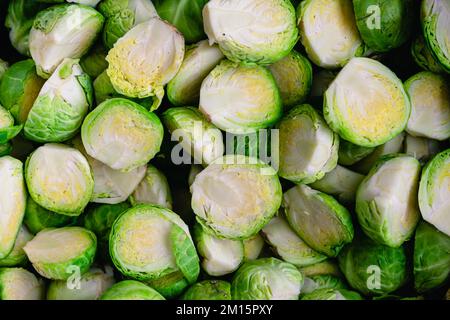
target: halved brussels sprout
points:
(131, 290)
(91, 286)
(198, 137)
(153, 189)
(208, 290)
(62, 104)
(422, 149)
(240, 98)
(13, 198)
(386, 201)
(38, 218)
(91, 3)
(328, 31)
(350, 153)
(7, 128)
(17, 256)
(332, 294)
(341, 183)
(308, 148)
(151, 243)
(94, 62)
(423, 56)
(430, 106)
(139, 67)
(20, 284)
(322, 281)
(266, 279)
(293, 75)
(220, 256)
(199, 60)
(253, 247)
(262, 31)
(59, 179)
(288, 245)
(62, 31)
(327, 267)
(434, 193)
(431, 257)
(324, 224)
(122, 15)
(59, 253)
(435, 15)
(236, 196)
(19, 88)
(373, 269)
(122, 134)
(384, 25)
(366, 104)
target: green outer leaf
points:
(208, 290)
(170, 285)
(7, 134)
(131, 290)
(350, 153)
(46, 20)
(117, 26)
(185, 254)
(423, 56)
(17, 256)
(5, 149)
(332, 294)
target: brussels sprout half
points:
(322, 281)
(266, 279)
(122, 134)
(240, 99)
(249, 31)
(423, 56)
(17, 256)
(20, 284)
(131, 290)
(58, 253)
(236, 196)
(62, 31)
(7, 128)
(332, 294)
(327, 267)
(13, 199)
(59, 179)
(208, 290)
(434, 192)
(366, 104)
(324, 224)
(253, 247)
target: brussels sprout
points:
(253, 247)
(199, 60)
(208, 290)
(394, 145)
(266, 279)
(386, 201)
(150, 243)
(201, 139)
(220, 256)
(262, 31)
(94, 62)
(62, 104)
(12, 199)
(122, 134)
(58, 253)
(430, 106)
(287, 244)
(327, 267)
(62, 31)
(5, 149)
(59, 179)
(91, 286)
(240, 99)
(171, 285)
(139, 67)
(435, 15)
(384, 25)
(328, 32)
(236, 196)
(131, 290)
(341, 183)
(17, 256)
(431, 257)
(308, 148)
(350, 153)
(20, 284)
(423, 56)
(193, 173)
(91, 3)
(7, 128)
(122, 15)
(19, 88)
(366, 104)
(19, 20)
(293, 75)
(38, 218)
(373, 269)
(323, 281)
(332, 294)
(422, 149)
(323, 223)
(3, 67)
(153, 189)
(186, 16)
(434, 192)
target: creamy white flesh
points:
(20, 284)
(283, 286)
(143, 10)
(253, 247)
(153, 189)
(6, 119)
(421, 148)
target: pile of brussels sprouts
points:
(118, 179)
